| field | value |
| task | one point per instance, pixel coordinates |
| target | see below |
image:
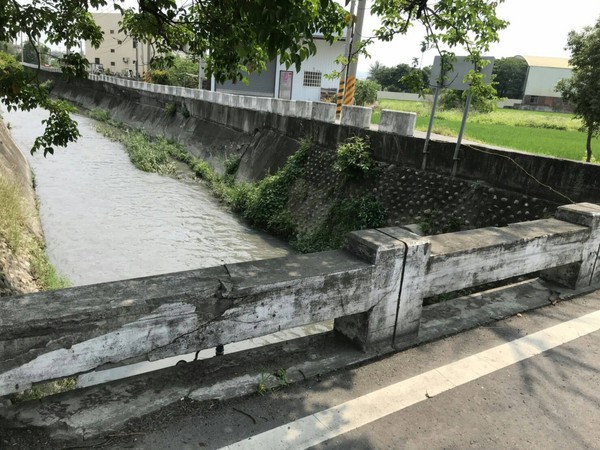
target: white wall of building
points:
(541, 81)
(324, 62)
(116, 53)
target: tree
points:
(510, 74)
(179, 71)
(35, 54)
(471, 24)
(10, 48)
(400, 78)
(583, 88)
(366, 92)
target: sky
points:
(537, 28)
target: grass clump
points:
(99, 114)
(12, 217)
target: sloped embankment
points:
(23, 263)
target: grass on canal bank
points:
(21, 242)
(546, 133)
(262, 204)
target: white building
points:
(543, 74)
(117, 53)
(277, 81)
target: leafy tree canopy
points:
(583, 87)
(510, 74)
(399, 78)
(470, 24)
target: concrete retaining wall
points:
(374, 290)
(215, 130)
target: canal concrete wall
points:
(492, 188)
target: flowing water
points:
(105, 220)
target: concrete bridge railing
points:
(374, 289)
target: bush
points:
(366, 92)
(355, 158)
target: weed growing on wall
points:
(185, 112)
(266, 205)
(170, 109)
(354, 158)
(346, 215)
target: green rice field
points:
(547, 133)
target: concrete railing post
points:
(399, 258)
(587, 271)
(356, 116)
(397, 122)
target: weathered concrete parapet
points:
(264, 104)
(304, 109)
(586, 271)
(397, 122)
(400, 258)
(356, 116)
(282, 107)
(323, 112)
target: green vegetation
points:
(366, 92)
(44, 389)
(174, 71)
(346, 215)
(581, 89)
(277, 380)
(355, 158)
(554, 134)
(14, 231)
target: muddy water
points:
(105, 220)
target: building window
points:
(112, 50)
(112, 31)
(112, 63)
(96, 60)
(312, 79)
(533, 99)
(119, 42)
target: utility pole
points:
(353, 63)
(135, 45)
(348, 55)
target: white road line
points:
(327, 424)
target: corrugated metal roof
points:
(544, 61)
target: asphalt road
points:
(549, 400)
